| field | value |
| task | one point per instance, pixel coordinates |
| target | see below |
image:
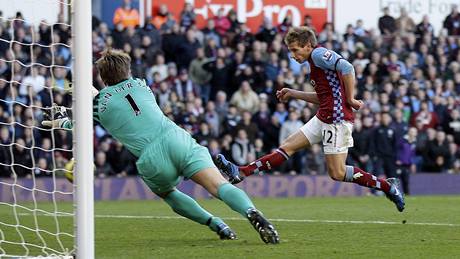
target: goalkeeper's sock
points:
(266, 162)
(187, 207)
(358, 176)
(235, 198)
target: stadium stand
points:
(219, 83)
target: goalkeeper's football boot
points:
(266, 230)
(395, 195)
(225, 232)
(229, 169)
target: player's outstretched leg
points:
(390, 186)
(238, 201)
(187, 207)
(236, 174)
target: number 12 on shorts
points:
(327, 136)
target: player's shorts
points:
(336, 138)
(163, 163)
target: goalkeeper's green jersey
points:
(130, 113)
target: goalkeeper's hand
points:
(55, 117)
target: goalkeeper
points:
(127, 109)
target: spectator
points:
(222, 22)
(185, 86)
(436, 155)
(294, 165)
(427, 118)
(405, 160)
(452, 22)
(200, 76)
(162, 16)
(5, 155)
(424, 27)
(103, 168)
(248, 126)
(22, 159)
(126, 16)
(387, 24)
(362, 143)
(204, 136)
(187, 49)
(187, 16)
(212, 119)
(245, 98)
(121, 160)
(384, 145)
(159, 67)
(242, 149)
(404, 23)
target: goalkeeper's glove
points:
(55, 117)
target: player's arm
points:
(286, 93)
(57, 116)
(329, 60)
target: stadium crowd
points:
(219, 83)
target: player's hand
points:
(284, 94)
(356, 104)
(55, 117)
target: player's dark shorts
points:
(163, 163)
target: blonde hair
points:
(114, 66)
(301, 35)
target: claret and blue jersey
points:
(327, 68)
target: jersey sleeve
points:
(330, 60)
(96, 108)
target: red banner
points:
(253, 11)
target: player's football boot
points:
(266, 230)
(229, 169)
(225, 232)
(395, 195)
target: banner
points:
(133, 188)
(252, 12)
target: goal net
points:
(36, 71)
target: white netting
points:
(35, 72)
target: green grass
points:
(322, 237)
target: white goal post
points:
(44, 44)
(83, 129)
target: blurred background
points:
(214, 67)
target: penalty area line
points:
(324, 221)
(294, 220)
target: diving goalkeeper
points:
(165, 153)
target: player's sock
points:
(235, 198)
(357, 175)
(187, 207)
(214, 222)
(266, 162)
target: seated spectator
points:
(436, 155)
(103, 168)
(245, 98)
(242, 149)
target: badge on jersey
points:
(327, 55)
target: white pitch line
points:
(274, 220)
(294, 220)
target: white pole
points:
(149, 9)
(141, 13)
(83, 129)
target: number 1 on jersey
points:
(133, 104)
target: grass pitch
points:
(364, 227)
